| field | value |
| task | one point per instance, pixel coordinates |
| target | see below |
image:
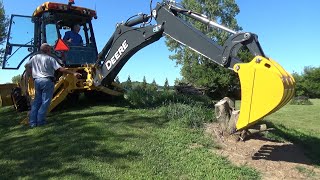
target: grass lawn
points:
(103, 141)
(299, 124)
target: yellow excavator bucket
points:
(265, 88)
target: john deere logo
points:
(117, 55)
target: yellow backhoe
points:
(265, 85)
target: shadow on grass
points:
(9, 117)
(310, 144)
(284, 152)
(70, 146)
(85, 102)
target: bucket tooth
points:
(265, 88)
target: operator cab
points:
(49, 23)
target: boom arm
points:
(265, 85)
(127, 40)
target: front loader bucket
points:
(265, 88)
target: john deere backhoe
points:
(265, 85)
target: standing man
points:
(73, 37)
(43, 67)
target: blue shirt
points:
(76, 39)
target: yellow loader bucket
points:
(265, 88)
(5, 94)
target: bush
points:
(191, 115)
(141, 98)
(300, 100)
(308, 82)
(191, 110)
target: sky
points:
(287, 31)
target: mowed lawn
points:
(299, 124)
(103, 141)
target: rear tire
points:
(20, 102)
(72, 98)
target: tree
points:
(144, 83)
(4, 22)
(311, 81)
(117, 80)
(16, 79)
(128, 83)
(154, 85)
(166, 85)
(299, 89)
(197, 69)
(308, 83)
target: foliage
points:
(300, 100)
(154, 85)
(191, 115)
(140, 98)
(166, 85)
(192, 111)
(308, 83)
(199, 70)
(299, 89)
(128, 84)
(117, 80)
(16, 79)
(144, 83)
(4, 23)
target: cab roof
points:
(52, 6)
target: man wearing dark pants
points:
(43, 66)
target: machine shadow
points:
(284, 152)
(303, 144)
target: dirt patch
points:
(275, 160)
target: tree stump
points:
(226, 115)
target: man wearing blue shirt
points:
(73, 37)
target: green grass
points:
(103, 141)
(299, 124)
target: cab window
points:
(51, 34)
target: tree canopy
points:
(166, 85)
(127, 84)
(197, 69)
(3, 29)
(308, 82)
(144, 83)
(154, 85)
(16, 79)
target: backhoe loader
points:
(265, 85)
